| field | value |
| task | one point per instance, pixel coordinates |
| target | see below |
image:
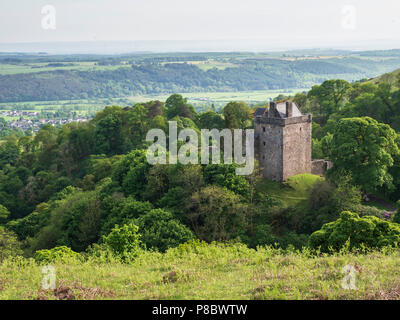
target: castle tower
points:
(283, 140)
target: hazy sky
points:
(280, 22)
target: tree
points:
(176, 105)
(131, 173)
(9, 245)
(237, 115)
(137, 124)
(4, 213)
(211, 120)
(108, 137)
(366, 149)
(8, 154)
(217, 214)
(161, 231)
(301, 100)
(155, 108)
(74, 222)
(122, 211)
(224, 175)
(329, 96)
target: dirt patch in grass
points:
(175, 276)
(390, 293)
(73, 292)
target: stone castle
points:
(283, 142)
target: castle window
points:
(263, 129)
(264, 143)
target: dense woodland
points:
(132, 75)
(88, 186)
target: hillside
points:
(390, 77)
(49, 78)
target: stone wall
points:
(296, 149)
(270, 151)
(283, 146)
(319, 167)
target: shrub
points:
(9, 245)
(363, 210)
(396, 217)
(367, 232)
(161, 231)
(61, 253)
(124, 241)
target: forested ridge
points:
(126, 76)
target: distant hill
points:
(390, 77)
(67, 77)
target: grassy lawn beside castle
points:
(210, 272)
(294, 191)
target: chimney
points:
(272, 109)
(289, 109)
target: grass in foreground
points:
(214, 271)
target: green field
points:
(9, 69)
(210, 272)
(222, 98)
(200, 100)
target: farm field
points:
(200, 100)
(11, 69)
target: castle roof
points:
(279, 110)
(260, 112)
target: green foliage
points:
(8, 154)
(131, 173)
(9, 245)
(4, 213)
(122, 211)
(329, 96)
(211, 120)
(237, 115)
(217, 214)
(106, 159)
(396, 217)
(327, 201)
(366, 149)
(176, 105)
(57, 254)
(108, 136)
(224, 175)
(74, 222)
(124, 241)
(365, 232)
(29, 226)
(159, 230)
